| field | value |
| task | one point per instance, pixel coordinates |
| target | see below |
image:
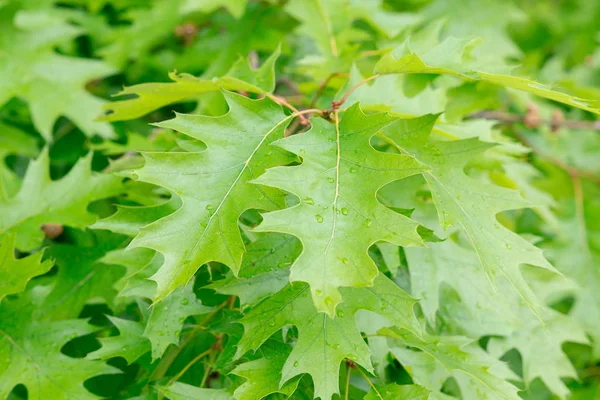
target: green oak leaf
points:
(338, 217)
(432, 360)
(151, 96)
(129, 220)
(17, 272)
(205, 228)
(405, 392)
(13, 141)
(322, 21)
(471, 205)
(387, 93)
(542, 352)
(263, 375)
(42, 200)
(140, 264)
(168, 315)
(265, 269)
(453, 57)
(129, 344)
(53, 85)
(235, 7)
(81, 277)
(31, 355)
(324, 342)
(183, 391)
(487, 312)
(576, 254)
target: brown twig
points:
(336, 104)
(509, 119)
(285, 103)
(324, 84)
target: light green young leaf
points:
(478, 375)
(542, 353)
(386, 22)
(151, 96)
(452, 57)
(405, 392)
(52, 84)
(464, 202)
(235, 7)
(31, 352)
(486, 312)
(148, 27)
(183, 391)
(205, 228)
(387, 94)
(338, 217)
(322, 21)
(324, 342)
(168, 316)
(129, 344)
(41, 200)
(129, 220)
(16, 273)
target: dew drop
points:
(352, 170)
(318, 292)
(344, 211)
(335, 346)
(369, 222)
(508, 246)
(345, 260)
(330, 180)
(181, 320)
(309, 201)
(185, 301)
(319, 218)
(296, 363)
(272, 323)
(209, 207)
(340, 313)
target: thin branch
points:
(348, 373)
(572, 171)
(324, 84)
(509, 119)
(337, 104)
(189, 365)
(297, 113)
(174, 351)
(285, 103)
(370, 383)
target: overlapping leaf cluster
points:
(330, 213)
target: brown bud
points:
(532, 118)
(557, 120)
(52, 231)
(187, 32)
